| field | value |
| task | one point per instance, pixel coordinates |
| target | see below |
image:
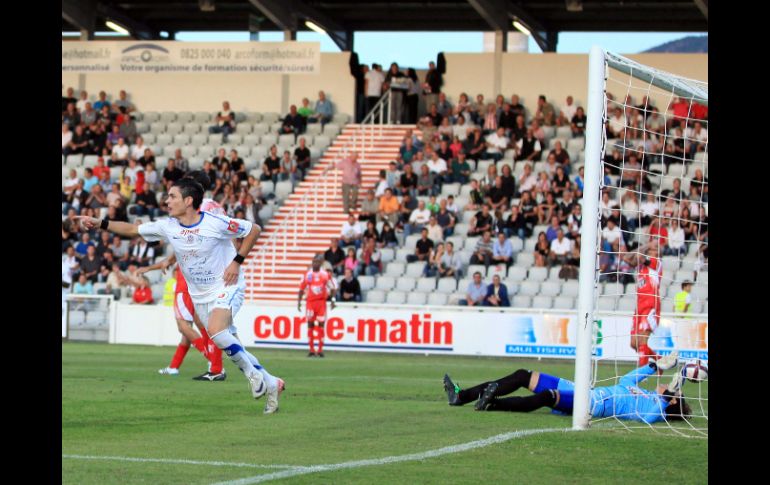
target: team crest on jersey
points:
(190, 239)
(233, 226)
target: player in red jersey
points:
(184, 312)
(647, 314)
(320, 283)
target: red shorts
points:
(645, 321)
(316, 311)
(183, 307)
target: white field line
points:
(500, 438)
(179, 461)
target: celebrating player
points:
(648, 275)
(321, 284)
(626, 400)
(212, 268)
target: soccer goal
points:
(644, 253)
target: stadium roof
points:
(145, 19)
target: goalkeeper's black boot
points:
(486, 397)
(452, 391)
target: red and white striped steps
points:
(281, 283)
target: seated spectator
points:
(90, 264)
(567, 112)
(393, 176)
(79, 142)
(516, 225)
(574, 221)
(417, 219)
(323, 110)
(527, 180)
(351, 262)
(496, 197)
(293, 122)
(171, 173)
(302, 158)
(142, 292)
(66, 138)
(476, 197)
(350, 288)
(560, 249)
(225, 122)
(434, 261)
(83, 286)
(407, 151)
(578, 123)
(481, 222)
(370, 232)
(496, 144)
(426, 182)
(288, 169)
(475, 146)
(71, 116)
(305, 110)
(482, 253)
(547, 211)
(407, 182)
(676, 241)
(542, 250)
(497, 294)
(142, 254)
(382, 184)
(369, 207)
(387, 238)
(476, 292)
(351, 233)
(658, 232)
(460, 169)
(450, 264)
(502, 250)
(560, 183)
(389, 208)
(422, 249)
(544, 114)
(81, 248)
(146, 203)
(271, 167)
(446, 219)
(611, 232)
(370, 262)
(435, 232)
(335, 257)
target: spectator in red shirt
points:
(658, 232)
(143, 292)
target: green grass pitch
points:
(344, 408)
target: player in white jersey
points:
(202, 245)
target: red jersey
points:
(318, 283)
(142, 295)
(181, 283)
(648, 287)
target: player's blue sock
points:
(232, 347)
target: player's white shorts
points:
(230, 298)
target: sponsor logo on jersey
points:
(233, 226)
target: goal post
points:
(648, 162)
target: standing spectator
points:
(373, 81)
(431, 88)
(497, 294)
(225, 122)
(359, 75)
(350, 288)
(476, 292)
(293, 122)
(412, 96)
(351, 180)
(335, 256)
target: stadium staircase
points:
(313, 214)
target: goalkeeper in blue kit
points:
(625, 400)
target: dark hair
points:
(200, 177)
(412, 74)
(190, 188)
(678, 411)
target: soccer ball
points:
(695, 371)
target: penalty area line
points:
(471, 445)
(180, 461)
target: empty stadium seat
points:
(417, 298)
(438, 299)
(426, 285)
(375, 296)
(396, 298)
(406, 283)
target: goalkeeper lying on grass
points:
(625, 400)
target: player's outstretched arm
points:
(116, 227)
(161, 265)
(638, 375)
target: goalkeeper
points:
(625, 400)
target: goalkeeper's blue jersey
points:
(628, 401)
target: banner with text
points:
(151, 57)
(535, 334)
